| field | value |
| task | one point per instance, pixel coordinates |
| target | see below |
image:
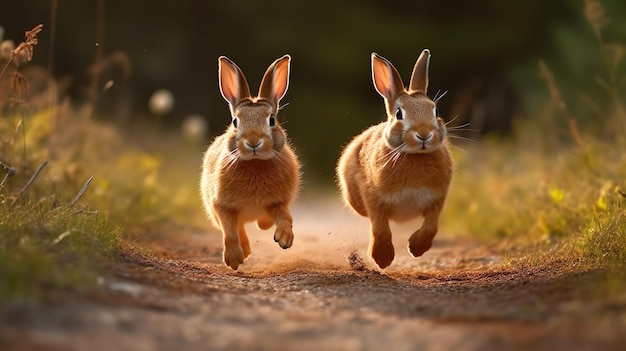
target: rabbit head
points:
(413, 124)
(255, 132)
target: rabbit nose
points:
(254, 145)
(419, 137)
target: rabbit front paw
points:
(420, 242)
(233, 256)
(283, 237)
(383, 252)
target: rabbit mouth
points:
(255, 155)
(420, 149)
(414, 143)
(254, 149)
(412, 147)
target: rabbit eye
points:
(235, 122)
(436, 112)
(399, 114)
(272, 120)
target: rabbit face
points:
(413, 125)
(254, 132)
(257, 134)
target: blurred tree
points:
(485, 54)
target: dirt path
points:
(322, 294)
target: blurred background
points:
(114, 55)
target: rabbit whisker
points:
(390, 152)
(438, 97)
(231, 159)
(396, 157)
(392, 155)
(468, 140)
(452, 120)
(459, 126)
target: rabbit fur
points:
(251, 172)
(401, 168)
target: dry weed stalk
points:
(82, 191)
(612, 54)
(596, 15)
(31, 180)
(19, 84)
(84, 209)
(557, 99)
(25, 47)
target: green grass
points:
(45, 246)
(569, 201)
(556, 188)
(603, 238)
(141, 185)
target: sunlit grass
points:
(555, 190)
(603, 238)
(46, 246)
(568, 201)
(46, 243)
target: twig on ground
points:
(32, 179)
(10, 171)
(82, 190)
(84, 210)
(61, 237)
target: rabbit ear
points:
(233, 84)
(387, 80)
(276, 80)
(419, 78)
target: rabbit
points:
(251, 172)
(399, 169)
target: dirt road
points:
(324, 293)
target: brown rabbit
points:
(251, 173)
(399, 169)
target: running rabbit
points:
(251, 173)
(399, 169)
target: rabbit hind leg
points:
(243, 239)
(264, 223)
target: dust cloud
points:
(328, 237)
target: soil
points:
(324, 293)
